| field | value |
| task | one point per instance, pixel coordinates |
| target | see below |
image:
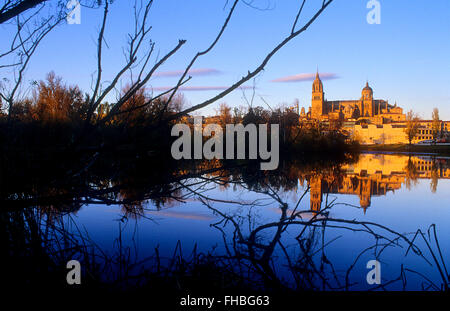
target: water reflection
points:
(290, 229)
(377, 174)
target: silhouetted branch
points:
(253, 73)
(12, 9)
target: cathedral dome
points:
(367, 92)
(367, 88)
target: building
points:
(426, 129)
(369, 134)
(368, 120)
(377, 111)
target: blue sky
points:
(406, 58)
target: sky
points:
(405, 58)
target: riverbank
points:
(402, 148)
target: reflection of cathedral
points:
(363, 187)
(316, 192)
(365, 107)
(373, 175)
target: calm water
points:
(316, 227)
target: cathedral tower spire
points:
(367, 101)
(317, 98)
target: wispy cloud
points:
(307, 77)
(197, 88)
(192, 72)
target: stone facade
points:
(368, 120)
(377, 111)
(380, 134)
(394, 133)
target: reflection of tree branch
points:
(441, 266)
(261, 260)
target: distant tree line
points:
(56, 115)
(295, 135)
(82, 117)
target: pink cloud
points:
(197, 88)
(192, 72)
(306, 77)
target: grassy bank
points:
(401, 148)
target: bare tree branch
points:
(7, 13)
(253, 73)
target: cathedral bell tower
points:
(317, 101)
(367, 101)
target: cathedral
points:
(376, 111)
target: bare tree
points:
(139, 52)
(436, 124)
(224, 113)
(26, 23)
(412, 125)
(31, 27)
(33, 24)
(11, 9)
